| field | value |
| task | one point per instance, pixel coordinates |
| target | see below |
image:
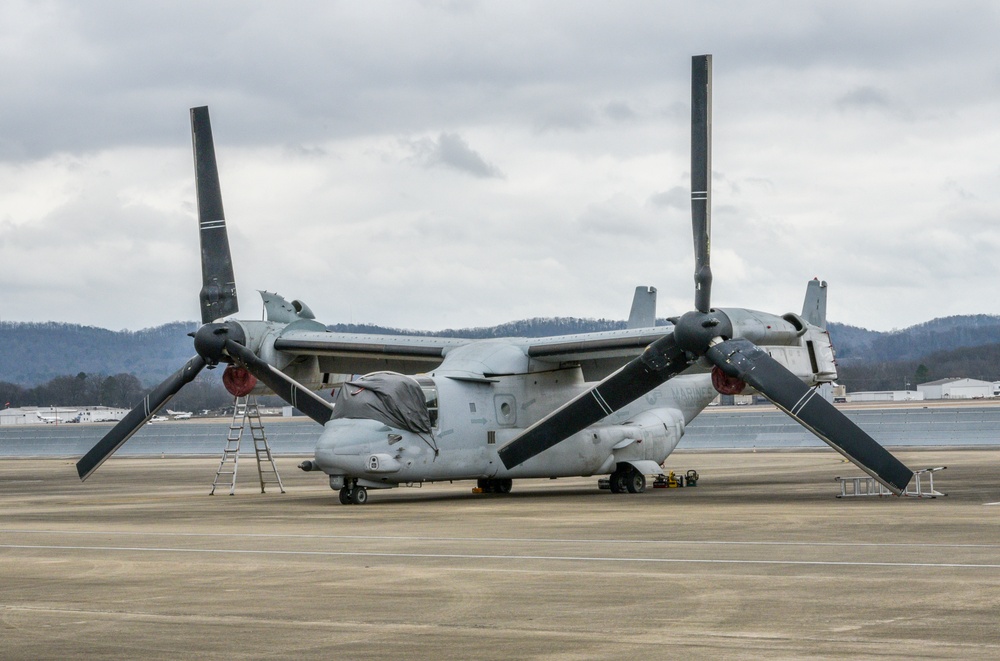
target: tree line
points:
(44, 364)
(115, 391)
(982, 363)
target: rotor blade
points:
(660, 361)
(283, 386)
(137, 417)
(749, 362)
(218, 292)
(701, 178)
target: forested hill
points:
(965, 346)
(855, 344)
(34, 353)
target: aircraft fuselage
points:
(474, 419)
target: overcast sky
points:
(436, 165)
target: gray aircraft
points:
(610, 403)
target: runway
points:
(972, 423)
(759, 560)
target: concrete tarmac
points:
(760, 560)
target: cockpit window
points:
(430, 397)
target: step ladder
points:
(851, 487)
(246, 413)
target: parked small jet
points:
(179, 415)
(59, 416)
(608, 403)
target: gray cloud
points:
(864, 97)
(676, 198)
(619, 111)
(619, 215)
(451, 151)
(839, 142)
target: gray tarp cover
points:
(388, 397)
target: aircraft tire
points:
(359, 496)
(617, 482)
(345, 496)
(635, 481)
(503, 485)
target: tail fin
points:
(814, 305)
(643, 314)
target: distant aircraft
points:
(157, 418)
(59, 416)
(607, 403)
(179, 415)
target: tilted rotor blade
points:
(218, 292)
(701, 178)
(283, 386)
(744, 359)
(137, 417)
(660, 361)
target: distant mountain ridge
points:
(855, 344)
(33, 353)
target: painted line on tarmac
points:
(488, 556)
(517, 540)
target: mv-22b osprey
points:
(607, 403)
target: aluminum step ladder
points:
(246, 413)
(866, 485)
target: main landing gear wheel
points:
(627, 478)
(635, 481)
(495, 485)
(359, 496)
(617, 482)
(345, 496)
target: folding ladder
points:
(245, 412)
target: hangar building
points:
(956, 388)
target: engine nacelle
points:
(803, 348)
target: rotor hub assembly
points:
(695, 330)
(210, 341)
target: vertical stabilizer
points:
(814, 306)
(643, 314)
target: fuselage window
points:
(430, 397)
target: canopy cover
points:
(388, 397)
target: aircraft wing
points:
(599, 354)
(353, 353)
